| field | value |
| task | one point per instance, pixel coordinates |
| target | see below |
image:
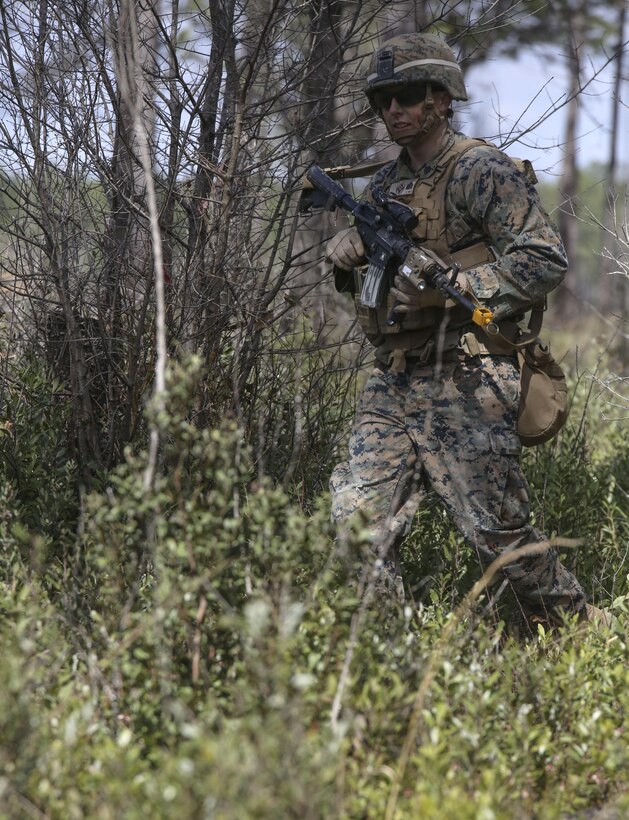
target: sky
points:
(517, 93)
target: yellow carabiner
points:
(482, 316)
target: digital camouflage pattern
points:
(488, 198)
(448, 422)
(490, 203)
(415, 58)
(453, 429)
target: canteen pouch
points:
(543, 395)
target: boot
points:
(599, 618)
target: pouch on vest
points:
(543, 395)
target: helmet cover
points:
(415, 58)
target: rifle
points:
(384, 229)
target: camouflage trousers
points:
(451, 429)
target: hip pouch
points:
(543, 395)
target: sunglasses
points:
(406, 97)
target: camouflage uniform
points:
(439, 411)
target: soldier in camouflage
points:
(440, 409)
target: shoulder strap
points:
(524, 339)
(535, 324)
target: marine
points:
(439, 410)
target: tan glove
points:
(411, 298)
(346, 249)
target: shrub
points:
(209, 654)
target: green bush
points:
(35, 460)
(202, 649)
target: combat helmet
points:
(415, 58)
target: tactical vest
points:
(427, 198)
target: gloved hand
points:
(345, 249)
(410, 298)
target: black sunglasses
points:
(406, 97)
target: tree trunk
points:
(309, 282)
(614, 286)
(568, 213)
(130, 240)
(127, 279)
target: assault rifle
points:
(384, 228)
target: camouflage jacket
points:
(489, 198)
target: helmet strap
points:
(429, 100)
(431, 120)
